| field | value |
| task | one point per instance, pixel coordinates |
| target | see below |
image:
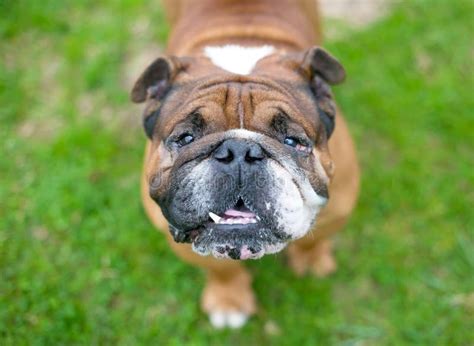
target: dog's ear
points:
(156, 80)
(323, 69)
(319, 62)
(153, 84)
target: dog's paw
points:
(232, 319)
(324, 265)
(229, 302)
(317, 260)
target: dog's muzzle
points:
(242, 199)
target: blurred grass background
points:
(81, 264)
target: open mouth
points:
(240, 214)
(237, 233)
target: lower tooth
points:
(214, 217)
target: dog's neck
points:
(286, 25)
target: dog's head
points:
(239, 164)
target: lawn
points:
(81, 264)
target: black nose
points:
(239, 150)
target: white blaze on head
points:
(235, 58)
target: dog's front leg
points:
(228, 298)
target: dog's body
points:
(235, 91)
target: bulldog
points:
(247, 153)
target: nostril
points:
(255, 153)
(224, 155)
(250, 158)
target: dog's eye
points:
(291, 141)
(297, 144)
(184, 139)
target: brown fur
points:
(199, 23)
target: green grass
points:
(81, 264)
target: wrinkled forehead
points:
(232, 101)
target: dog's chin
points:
(237, 241)
(234, 241)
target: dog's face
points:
(239, 164)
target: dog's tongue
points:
(238, 213)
